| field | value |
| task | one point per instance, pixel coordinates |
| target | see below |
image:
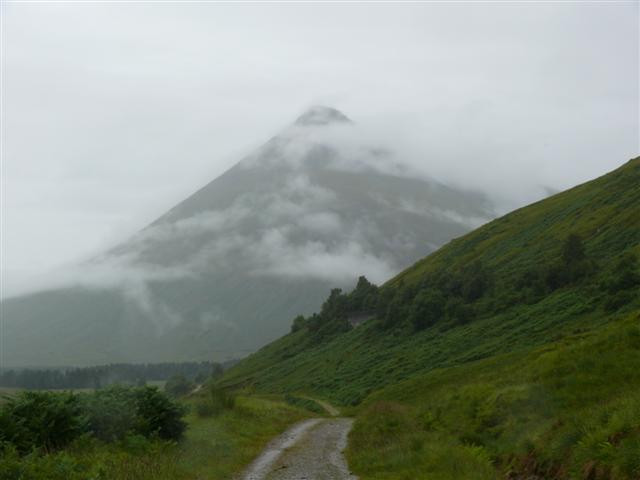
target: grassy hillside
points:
(502, 288)
(568, 409)
(512, 351)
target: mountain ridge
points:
(223, 271)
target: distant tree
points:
(573, 250)
(427, 308)
(298, 323)
(178, 385)
(396, 311)
(475, 281)
(335, 305)
(364, 296)
(574, 265)
(624, 274)
(383, 300)
(158, 415)
(458, 312)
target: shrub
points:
(427, 308)
(475, 281)
(624, 275)
(110, 412)
(158, 415)
(41, 420)
(116, 412)
(458, 312)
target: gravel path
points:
(310, 450)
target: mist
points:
(115, 113)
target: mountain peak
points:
(320, 115)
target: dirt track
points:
(310, 450)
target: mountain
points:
(497, 289)
(510, 352)
(225, 271)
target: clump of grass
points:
(214, 401)
(304, 403)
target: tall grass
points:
(213, 448)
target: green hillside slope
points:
(566, 410)
(511, 352)
(506, 286)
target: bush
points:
(41, 420)
(111, 412)
(427, 308)
(158, 415)
(116, 412)
(624, 275)
(458, 312)
(49, 421)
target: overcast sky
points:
(115, 112)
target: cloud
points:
(134, 107)
(322, 222)
(275, 255)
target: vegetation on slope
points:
(513, 351)
(568, 409)
(538, 274)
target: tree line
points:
(452, 297)
(104, 375)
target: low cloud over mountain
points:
(225, 270)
